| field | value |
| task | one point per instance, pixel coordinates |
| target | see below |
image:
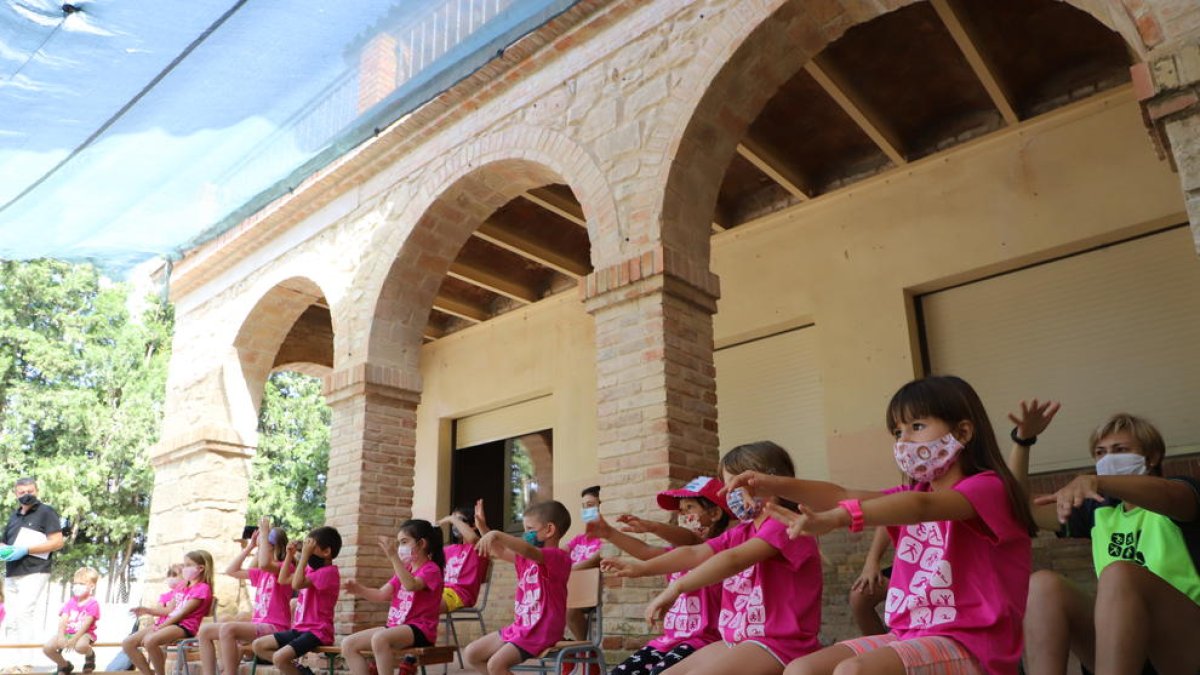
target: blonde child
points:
(465, 567)
(771, 583)
(415, 591)
(961, 531)
(1145, 532)
(272, 613)
(691, 623)
(318, 580)
(540, 601)
(77, 623)
(191, 601)
(584, 550)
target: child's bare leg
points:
(53, 651)
(83, 645)
(862, 608)
(480, 651)
(1058, 620)
(229, 638)
(504, 659)
(282, 658)
(264, 647)
(130, 646)
(1138, 617)
(205, 637)
(821, 662)
(720, 659)
(577, 623)
(353, 647)
(156, 641)
(385, 640)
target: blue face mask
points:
(531, 538)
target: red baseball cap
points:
(701, 486)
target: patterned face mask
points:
(692, 524)
(927, 461)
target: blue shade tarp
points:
(131, 129)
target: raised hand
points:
(599, 528)
(659, 606)
(632, 523)
(752, 482)
(387, 545)
(485, 543)
(620, 567)
(480, 516)
(1033, 417)
(1073, 495)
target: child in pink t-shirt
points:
(771, 584)
(415, 592)
(540, 601)
(191, 601)
(77, 623)
(691, 623)
(961, 531)
(272, 610)
(465, 567)
(318, 581)
(584, 551)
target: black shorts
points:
(187, 634)
(525, 656)
(419, 639)
(301, 641)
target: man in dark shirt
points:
(33, 534)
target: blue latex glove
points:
(13, 553)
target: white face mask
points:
(405, 553)
(1122, 464)
(692, 524)
(79, 590)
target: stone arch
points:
(732, 78)
(410, 259)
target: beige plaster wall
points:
(849, 262)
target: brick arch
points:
(732, 78)
(411, 255)
(262, 333)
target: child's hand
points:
(264, 524)
(486, 542)
(253, 540)
(753, 482)
(309, 545)
(632, 523)
(139, 611)
(448, 520)
(871, 581)
(1034, 417)
(291, 548)
(480, 516)
(388, 545)
(599, 528)
(353, 587)
(809, 523)
(620, 567)
(660, 605)
(1073, 495)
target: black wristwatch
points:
(1023, 442)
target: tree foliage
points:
(289, 469)
(81, 396)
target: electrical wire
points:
(129, 104)
(34, 53)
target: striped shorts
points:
(933, 655)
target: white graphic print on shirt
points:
(748, 617)
(929, 598)
(399, 611)
(454, 567)
(684, 616)
(529, 606)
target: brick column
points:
(657, 417)
(370, 480)
(1169, 88)
(201, 487)
(378, 67)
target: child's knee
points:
(379, 640)
(854, 666)
(281, 657)
(1119, 576)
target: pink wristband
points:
(856, 514)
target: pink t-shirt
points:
(540, 602)
(315, 604)
(419, 609)
(965, 579)
(271, 600)
(583, 547)
(692, 620)
(198, 591)
(75, 613)
(777, 602)
(465, 570)
(172, 598)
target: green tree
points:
(289, 469)
(81, 395)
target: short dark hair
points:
(327, 537)
(25, 480)
(593, 491)
(551, 512)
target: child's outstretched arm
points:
(407, 580)
(672, 534)
(900, 508)
(715, 568)
(635, 547)
(265, 558)
(683, 558)
(1175, 499)
(235, 566)
(1030, 421)
(300, 574)
(463, 528)
(381, 594)
(285, 577)
(819, 495)
(176, 615)
(504, 546)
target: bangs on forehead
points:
(912, 401)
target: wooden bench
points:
(426, 656)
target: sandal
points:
(67, 669)
(89, 663)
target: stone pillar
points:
(657, 416)
(1169, 88)
(201, 487)
(370, 479)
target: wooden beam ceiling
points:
(557, 204)
(868, 120)
(951, 17)
(460, 308)
(497, 233)
(766, 160)
(492, 281)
